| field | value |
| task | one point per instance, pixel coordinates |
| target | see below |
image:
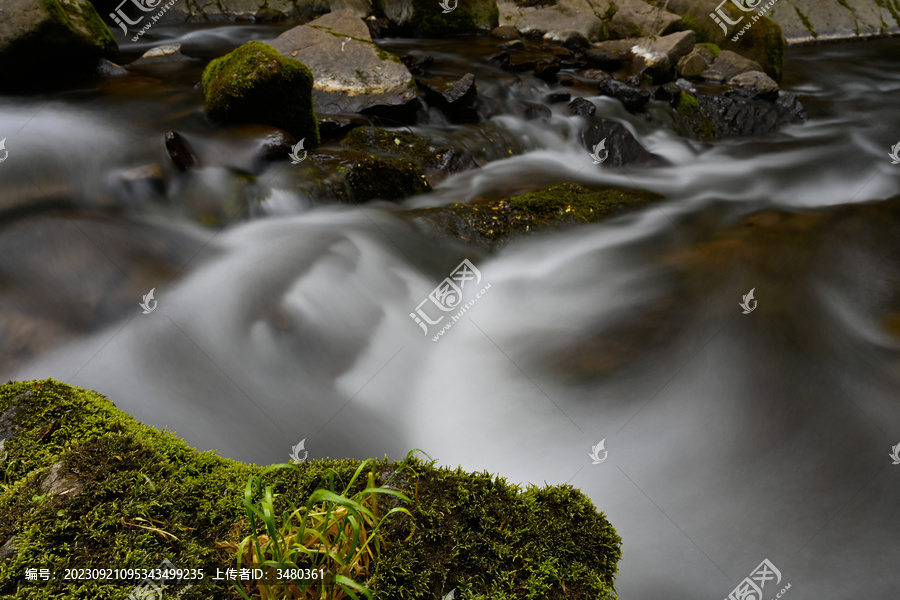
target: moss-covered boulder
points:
(490, 223)
(256, 84)
(374, 177)
(427, 18)
(763, 42)
(711, 117)
(85, 485)
(43, 39)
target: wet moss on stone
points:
(491, 223)
(145, 496)
(375, 177)
(689, 108)
(806, 23)
(256, 84)
(714, 49)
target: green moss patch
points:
(491, 223)
(256, 84)
(386, 178)
(145, 496)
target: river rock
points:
(42, 39)
(374, 177)
(697, 61)
(167, 53)
(711, 117)
(505, 32)
(657, 57)
(763, 42)
(427, 18)
(755, 85)
(490, 223)
(436, 158)
(457, 101)
(255, 84)
(634, 98)
(729, 65)
(636, 18)
(623, 148)
(352, 75)
(581, 107)
(611, 55)
(179, 151)
(560, 24)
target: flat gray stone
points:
(661, 54)
(636, 18)
(352, 75)
(550, 23)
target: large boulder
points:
(636, 18)
(817, 20)
(555, 23)
(352, 74)
(427, 18)
(762, 42)
(657, 56)
(42, 39)
(711, 117)
(255, 84)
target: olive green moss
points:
(689, 23)
(701, 126)
(375, 177)
(468, 17)
(97, 30)
(806, 23)
(256, 84)
(491, 223)
(376, 140)
(148, 496)
(713, 49)
(893, 6)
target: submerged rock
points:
(45, 39)
(436, 158)
(179, 151)
(255, 84)
(456, 99)
(623, 148)
(352, 74)
(427, 18)
(491, 223)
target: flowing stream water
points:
(730, 437)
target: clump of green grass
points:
(335, 536)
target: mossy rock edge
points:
(147, 496)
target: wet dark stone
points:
(533, 111)
(335, 128)
(547, 70)
(557, 97)
(276, 145)
(632, 97)
(623, 148)
(379, 28)
(565, 79)
(179, 151)
(417, 65)
(581, 107)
